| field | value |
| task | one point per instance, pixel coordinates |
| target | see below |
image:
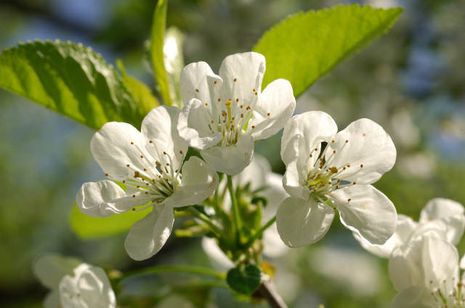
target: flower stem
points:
(235, 209)
(205, 219)
(197, 270)
(260, 231)
(267, 291)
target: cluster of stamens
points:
(323, 177)
(444, 299)
(230, 117)
(158, 180)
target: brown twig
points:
(267, 291)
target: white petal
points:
(417, 297)
(160, 126)
(367, 211)
(254, 174)
(436, 228)
(105, 198)
(148, 235)
(242, 73)
(440, 261)
(312, 127)
(275, 194)
(439, 208)
(405, 269)
(273, 246)
(215, 254)
(427, 262)
(366, 147)
(404, 230)
(94, 286)
(274, 108)
(117, 145)
(451, 212)
(193, 126)
(198, 183)
(230, 159)
(303, 222)
(51, 269)
(196, 82)
(293, 181)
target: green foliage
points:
(140, 92)
(88, 227)
(305, 46)
(157, 58)
(244, 279)
(70, 79)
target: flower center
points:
(232, 120)
(323, 177)
(158, 180)
(231, 117)
(158, 188)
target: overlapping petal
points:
(51, 269)
(230, 159)
(293, 181)
(274, 107)
(148, 235)
(301, 222)
(312, 128)
(195, 82)
(117, 147)
(105, 198)
(404, 230)
(242, 75)
(160, 128)
(417, 297)
(365, 149)
(74, 284)
(198, 183)
(449, 211)
(193, 126)
(427, 261)
(367, 211)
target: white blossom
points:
(74, 284)
(425, 272)
(145, 169)
(224, 114)
(328, 170)
(444, 217)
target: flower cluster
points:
(223, 115)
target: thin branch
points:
(267, 291)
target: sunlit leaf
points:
(140, 92)
(70, 79)
(88, 227)
(307, 45)
(157, 40)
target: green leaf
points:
(88, 227)
(244, 279)
(307, 45)
(140, 92)
(70, 79)
(157, 57)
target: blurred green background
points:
(411, 81)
